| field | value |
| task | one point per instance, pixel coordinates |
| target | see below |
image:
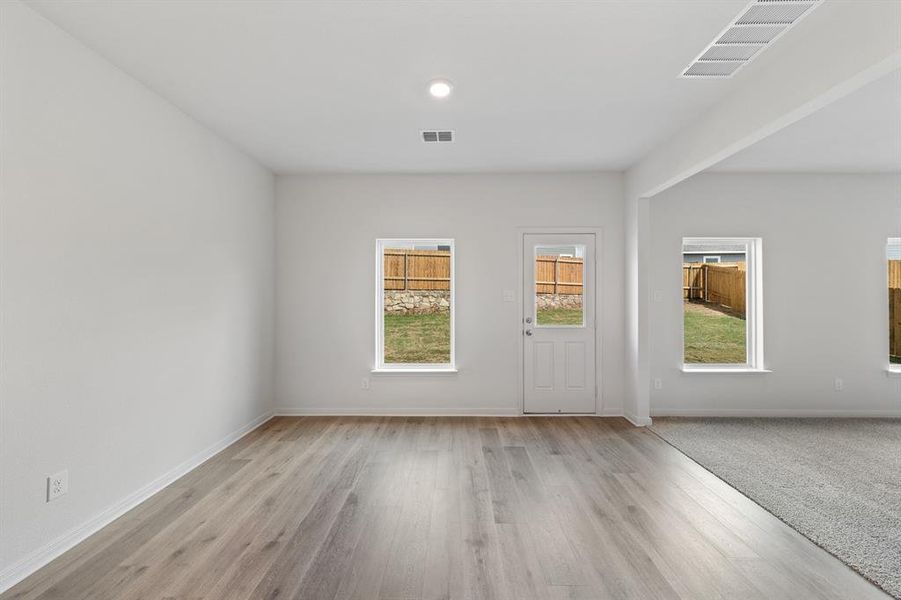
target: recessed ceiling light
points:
(440, 88)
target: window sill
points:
(698, 369)
(440, 371)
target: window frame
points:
(753, 308)
(380, 366)
(893, 368)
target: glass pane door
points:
(559, 286)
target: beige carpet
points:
(837, 481)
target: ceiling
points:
(860, 133)
(341, 86)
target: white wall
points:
(136, 287)
(327, 227)
(824, 286)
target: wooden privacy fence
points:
(406, 269)
(416, 269)
(722, 284)
(558, 275)
(894, 307)
(894, 315)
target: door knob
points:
(528, 332)
(528, 320)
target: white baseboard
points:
(331, 411)
(24, 567)
(636, 420)
(610, 412)
(773, 412)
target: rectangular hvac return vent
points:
(760, 24)
(437, 136)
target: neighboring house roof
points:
(558, 250)
(718, 249)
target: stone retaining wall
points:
(551, 301)
(417, 302)
(425, 302)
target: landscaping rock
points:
(552, 301)
(418, 302)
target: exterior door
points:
(559, 323)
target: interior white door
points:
(559, 334)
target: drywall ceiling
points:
(341, 86)
(860, 133)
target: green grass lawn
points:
(560, 316)
(710, 336)
(417, 338)
(713, 337)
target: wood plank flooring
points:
(476, 508)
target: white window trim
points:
(715, 368)
(753, 310)
(893, 369)
(409, 368)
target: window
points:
(893, 254)
(721, 304)
(559, 273)
(414, 305)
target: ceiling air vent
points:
(437, 136)
(760, 24)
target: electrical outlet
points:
(839, 384)
(658, 383)
(57, 485)
(365, 383)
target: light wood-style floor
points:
(477, 508)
